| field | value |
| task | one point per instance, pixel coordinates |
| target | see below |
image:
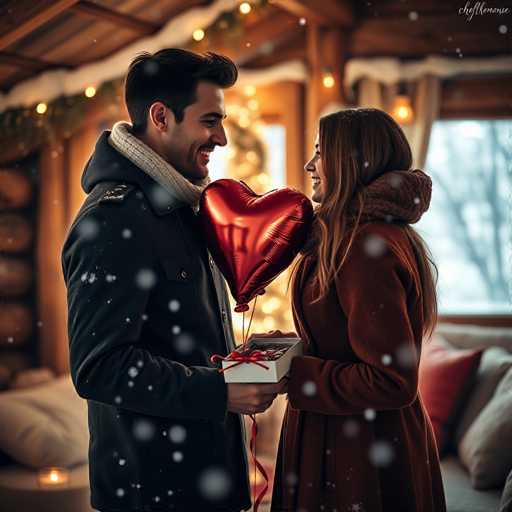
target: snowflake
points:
(309, 388)
(350, 428)
(127, 233)
(140, 363)
(176, 329)
(145, 279)
(118, 399)
(120, 493)
(110, 278)
(381, 454)
(214, 484)
(374, 246)
(122, 462)
(386, 359)
(184, 344)
(413, 16)
(177, 434)
(150, 388)
(133, 372)
(130, 384)
(370, 414)
(177, 456)
(174, 306)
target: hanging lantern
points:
(402, 111)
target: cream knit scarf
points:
(155, 166)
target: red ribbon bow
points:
(246, 356)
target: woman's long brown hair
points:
(356, 147)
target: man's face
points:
(187, 145)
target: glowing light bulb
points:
(245, 7)
(402, 110)
(328, 80)
(41, 108)
(90, 91)
(198, 34)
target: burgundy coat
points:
(356, 435)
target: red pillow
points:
(445, 376)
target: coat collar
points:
(107, 164)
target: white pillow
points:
(485, 449)
(45, 425)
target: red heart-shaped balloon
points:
(253, 238)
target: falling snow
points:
(309, 388)
(174, 306)
(177, 434)
(370, 414)
(120, 493)
(145, 279)
(214, 484)
(381, 454)
(88, 228)
(351, 428)
(386, 359)
(127, 233)
(177, 456)
(374, 246)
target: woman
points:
(356, 436)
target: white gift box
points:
(253, 373)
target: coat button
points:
(224, 316)
(183, 274)
(211, 261)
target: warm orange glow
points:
(53, 476)
(402, 110)
(249, 90)
(328, 80)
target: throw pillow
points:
(494, 364)
(45, 425)
(445, 376)
(485, 448)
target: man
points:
(147, 306)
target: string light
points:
(90, 91)
(402, 110)
(302, 21)
(198, 34)
(328, 80)
(245, 7)
(249, 90)
(41, 108)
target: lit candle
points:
(53, 477)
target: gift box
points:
(270, 361)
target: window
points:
(468, 225)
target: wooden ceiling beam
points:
(101, 13)
(32, 18)
(29, 63)
(324, 12)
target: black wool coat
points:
(147, 308)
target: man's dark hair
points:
(171, 76)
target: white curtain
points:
(425, 103)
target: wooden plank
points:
(478, 97)
(51, 291)
(124, 20)
(445, 35)
(29, 63)
(326, 12)
(32, 18)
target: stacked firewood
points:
(16, 272)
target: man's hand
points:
(253, 398)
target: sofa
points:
(475, 435)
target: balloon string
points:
(250, 320)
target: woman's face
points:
(314, 167)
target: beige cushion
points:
(485, 449)
(45, 425)
(476, 336)
(494, 364)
